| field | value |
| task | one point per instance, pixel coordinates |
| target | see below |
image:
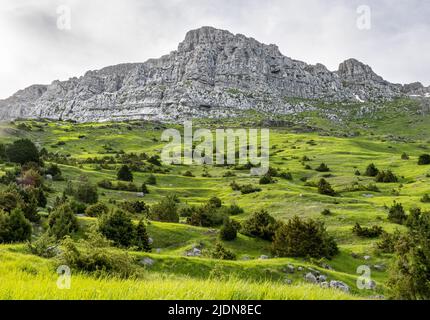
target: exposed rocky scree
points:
(213, 73)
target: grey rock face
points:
(213, 73)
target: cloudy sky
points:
(38, 47)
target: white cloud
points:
(106, 32)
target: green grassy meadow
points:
(176, 276)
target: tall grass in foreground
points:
(27, 277)
(19, 285)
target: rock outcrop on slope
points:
(213, 73)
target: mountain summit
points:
(213, 73)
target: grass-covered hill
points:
(98, 150)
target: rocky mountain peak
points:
(213, 73)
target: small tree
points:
(125, 174)
(220, 252)
(425, 198)
(424, 159)
(22, 151)
(228, 231)
(142, 239)
(261, 225)
(118, 227)
(14, 227)
(386, 177)
(397, 213)
(371, 170)
(62, 222)
(215, 201)
(151, 180)
(144, 189)
(96, 210)
(405, 156)
(86, 192)
(166, 210)
(325, 188)
(323, 168)
(299, 238)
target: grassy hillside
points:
(173, 275)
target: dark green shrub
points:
(220, 252)
(371, 170)
(118, 227)
(96, 257)
(86, 192)
(144, 189)
(397, 213)
(303, 238)
(386, 177)
(228, 231)
(188, 174)
(249, 188)
(22, 151)
(425, 198)
(405, 156)
(325, 188)
(165, 211)
(266, 179)
(424, 159)
(286, 175)
(62, 222)
(323, 168)
(409, 276)
(14, 227)
(326, 212)
(96, 210)
(46, 246)
(141, 240)
(206, 216)
(125, 174)
(135, 207)
(364, 232)
(151, 180)
(233, 210)
(215, 201)
(260, 225)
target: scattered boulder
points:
(325, 285)
(150, 240)
(288, 281)
(195, 252)
(147, 262)
(339, 285)
(354, 255)
(322, 278)
(310, 277)
(326, 266)
(263, 257)
(300, 268)
(371, 285)
(379, 267)
(246, 258)
(367, 258)
(290, 269)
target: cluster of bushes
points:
(118, 227)
(166, 210)
(119, 186)
(386, 177)
(84, 191)
(424, 159)
(303, 238)
(25, 198)
(325, 188)
(410, 277)
(14, 227)
(244, 189)
(365, 232)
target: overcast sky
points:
(33, 50)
